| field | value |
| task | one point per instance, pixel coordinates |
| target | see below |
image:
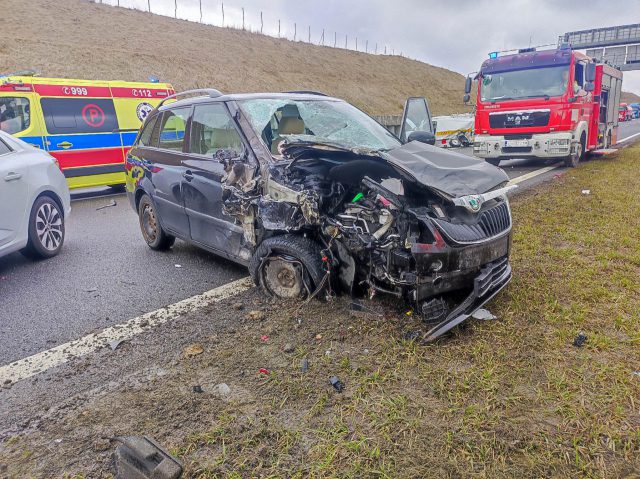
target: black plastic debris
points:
(304, 365)
(413, 335)
(110, 205)
(358, 309)
(197, 389)
(580, 339)
(336, 383)
(142, 458)
(435, 310)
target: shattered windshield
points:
(321, 121)
(530, 83)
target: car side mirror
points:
(466, 98)
(423, 137)
(589, 86)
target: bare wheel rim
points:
(49, 226)
(283, 278)
(149, 223)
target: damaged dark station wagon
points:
(315, 196)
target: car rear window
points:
(173, 126)
(212, 130)
(145, 136)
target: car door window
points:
(173, 127)
(416, 117)
(15, 114)
(213, 130)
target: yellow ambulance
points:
(88, 126)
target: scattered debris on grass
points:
(193, 350)
(115, 343)
(142, 458)
(336, 383)
(256, 315)
(483, 315)
(304, 365)
(580, 339)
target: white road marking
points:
(532, 174)
(628, 138)
(42, 361)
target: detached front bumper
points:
(492, 278)
(538, 145)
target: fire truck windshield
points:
(531, 83)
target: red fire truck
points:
(545, 104)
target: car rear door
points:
(213, 136)
(14, 194)
(167, 169)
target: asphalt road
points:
(106, 274)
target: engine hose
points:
(385, 227)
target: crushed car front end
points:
(430, 227)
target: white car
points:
(34, 200)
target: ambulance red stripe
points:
(100, 91)
(73, 90)
(128, 92)
(74, 159)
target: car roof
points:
(304, 96)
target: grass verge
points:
(500, 399)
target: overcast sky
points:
(455, 34)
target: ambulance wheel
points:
(493, 161)
(156, 238)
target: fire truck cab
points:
(552, 104)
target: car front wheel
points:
(46, 229)
(152, 232)
(289, 266)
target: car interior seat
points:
(290, 124)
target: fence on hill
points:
(210, 12)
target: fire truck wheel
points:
(572, 160)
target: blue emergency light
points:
(493, 55)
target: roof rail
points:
(21, 73)
(210, 92)
(307, 92)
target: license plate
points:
(476, 256)
(516, 142)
